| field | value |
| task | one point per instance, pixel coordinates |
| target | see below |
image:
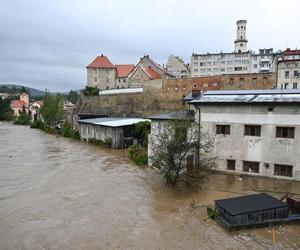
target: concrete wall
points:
(102, 78)
(89, 131)
(266, 149)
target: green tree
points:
(24, 118)
(141, 131)
(52, 111)
(73, 96)
(6, 113)
(177, 142)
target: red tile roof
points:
(101, 62)
(18, 104)
(292, 52)
(151, 73)
(124, 69)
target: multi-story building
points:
(177, 67)
(247, 124)
(241, 61)
(103, 74)
(288, 70)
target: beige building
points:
(18, 105)
(145, 70)
(288, 70)
(177, 67)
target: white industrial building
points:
(257, 132)
(118, 131)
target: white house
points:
(257, 132)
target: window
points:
(286, 85)
(195, 64)
(195, 70)
(296, 74)
(230, 164)
(195, 57)
(223, 129)
(285, 132)
(208, 63)
(286, 74)
(283, 170)
(202, 63)
(231, 81)
(252, 130)
(295, 85)
(95, 79)
(251, 166)
(255, 66)
(107, 79)
(241, 81)
(254, 81)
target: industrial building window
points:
(296, 74)
(285, 132)
(252, 130)
(286, 74)
(223, 129)
(283, 170)
(231, 81)
(251, 166)
(254, 81)
(230, 164)
(295, 85)
(241, 81)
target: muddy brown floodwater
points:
(57, 193)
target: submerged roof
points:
(112, 122)
(250, 203)
(249, 96)
(101, 62)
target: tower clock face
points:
(241, 44)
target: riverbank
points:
(58, 193)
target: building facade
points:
(257, 132)
(288, 70)
(241, 61)
(177, 67)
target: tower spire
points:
(241, 41)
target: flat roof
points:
(121, 91)
(250, 203)
(182, 115)
(112, 122)
(249, 96)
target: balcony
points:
(265, 60)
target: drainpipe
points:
(199, 135)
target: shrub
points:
(138, 155)
(23, 119)
(89, 91)
(37, 124)
(141, 131)
(67, 131)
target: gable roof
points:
(123, 70)
(152, 74)
(101, 62)
(155, 64)
(18, 104)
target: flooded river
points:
(57, 193)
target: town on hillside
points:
(235, 114)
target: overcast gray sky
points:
(47, 44)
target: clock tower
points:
(241, 41)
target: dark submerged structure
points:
(253, 210)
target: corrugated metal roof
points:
(121, 91)
(249, 96)
(112, 122)
(250, 203)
